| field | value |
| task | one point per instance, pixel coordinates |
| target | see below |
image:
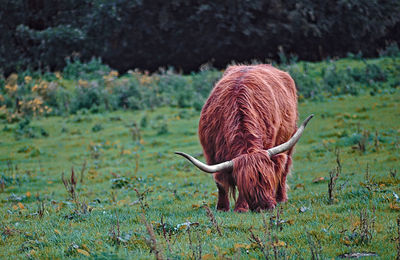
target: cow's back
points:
(249, 109)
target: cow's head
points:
(257, 192)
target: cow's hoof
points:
(241, 210)
(222, 209)
(284, 199)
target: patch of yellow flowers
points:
(41, 88)
(111, 76)
(35, 105)
(11, 89)
(27, 79)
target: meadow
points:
(103, 181)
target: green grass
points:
(31, 170)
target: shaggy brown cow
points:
(248, 117)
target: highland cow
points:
(248, 130)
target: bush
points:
(307, 86)
(94, 69)
(149, 35)
(26, 96)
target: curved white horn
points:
(292, 141)
(228, 165)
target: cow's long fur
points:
(251, 109)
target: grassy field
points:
(134, 198)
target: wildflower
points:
(43, 85)
(145, 80)
(58, 75)
(38, 101)
(12, 79)
(11, 88)
(113, 73)
(28, 79)
(83, 83)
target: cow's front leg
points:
(223, 198)
(241, 204)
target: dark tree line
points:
(149, 34)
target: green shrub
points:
(162, 128)
(97, 128)
(94, 69)
(144, 121)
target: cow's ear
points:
(280, 161)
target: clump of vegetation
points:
(398, 237)
(212, 218)
(81, 208)
(333, 176)
(93, 87)
(97, 128)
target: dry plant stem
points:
(152, 242)
(333, 176)
(165, 235)
(141, 197)
(362, 143)
(40, 164)
(136, 161)
(275, 249)
(40, 209)
(70, 185)
(366, 226)
(122, 150)
(118, 225)
(376, 141)
(10, 167)
(115, 235)
(199, 248)
(267, 234)
(2, 185)
(256, 240)
(398, 238)
(314, 247)
(196, 250)
(191, 243)
(135, 131)
(212, 219)
(83, 170)
(393, 173)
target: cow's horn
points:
(292, 141)
(228, 165)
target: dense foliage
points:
(95, 87)
(185, 34)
